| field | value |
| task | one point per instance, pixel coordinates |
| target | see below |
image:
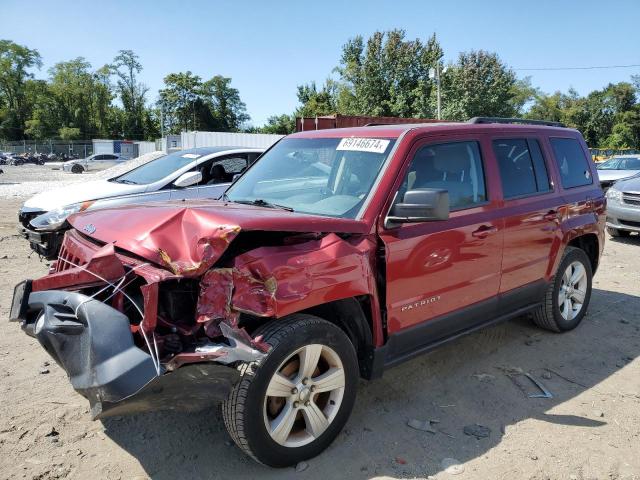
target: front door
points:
(443, 277)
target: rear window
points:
(572, 163)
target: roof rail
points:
(515, 120)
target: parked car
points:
(623, 207)
(198, 173)
(27, 157)
(95, 162)
(338, 254)
(617, 168)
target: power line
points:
(598, 67)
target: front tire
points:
(292, 404)
(77, 169)
(567, 297)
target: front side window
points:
(455, 167)
(572, 162)
(322, 176)
(522, 168)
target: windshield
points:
(620, 163)
(157, 169)
(323, 176)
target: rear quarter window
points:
(572, 162)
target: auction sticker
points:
(356, 144)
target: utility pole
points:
(434, 74)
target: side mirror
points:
(420, 205)
(188, 179)
(235, 177)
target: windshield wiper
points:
(122, 180)
(263, 203)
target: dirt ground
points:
(590, 429)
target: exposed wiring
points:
(153, 352)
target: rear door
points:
(442, 277)
(532, 211)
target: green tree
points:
(389, 76)
(178, 101)
(279, 124)
(69, 133)
(72, 85)
(126, 66)
(314, 102)
(224, 102)
(16, 62)
(188, 103)
(479, 84)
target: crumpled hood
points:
(188, 237)
(80, 192)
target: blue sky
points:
(270, 47)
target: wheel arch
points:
(353, 316)
(590, 244)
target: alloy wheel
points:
(304, 395)
(573, 290)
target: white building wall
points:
(145, 147)
(228, 139)
(102, 146)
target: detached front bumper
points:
(93, 343)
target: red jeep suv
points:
(339, 253)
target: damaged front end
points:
(126, 334)
(163, 318)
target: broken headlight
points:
(53, 219)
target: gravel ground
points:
(27, 180)
(590, 429)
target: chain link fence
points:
(80, 148)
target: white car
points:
(617, 168)
(188, 174)
(95, 162)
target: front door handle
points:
(484, 231)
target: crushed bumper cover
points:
(93, 343)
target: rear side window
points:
(572, 163)
(522, 168)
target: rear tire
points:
(615, 232)
(567, 297)
(306, 411)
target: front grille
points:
(25, 217)
(75, 250)
(631, 198)
(66, 260)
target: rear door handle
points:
(484, 231)
(551, 215)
